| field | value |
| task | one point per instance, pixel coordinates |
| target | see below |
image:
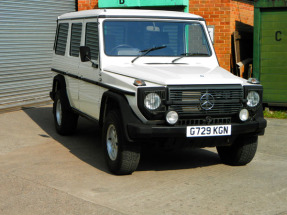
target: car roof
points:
(129, 13)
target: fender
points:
(127, 115)
(57, 79)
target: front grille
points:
(205, 100)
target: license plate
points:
(208, 130)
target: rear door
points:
(66, 57)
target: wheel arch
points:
(59, 83)
(115, 101)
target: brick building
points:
(227, 16)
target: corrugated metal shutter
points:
(27, 32)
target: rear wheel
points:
(65, 119)
(240, 153)
(122, 157)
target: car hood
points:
(175, 74)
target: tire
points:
(65, 119)
(122, 157)
(240, 153)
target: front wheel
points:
(122, 157)
(240, 153)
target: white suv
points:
(151, 77)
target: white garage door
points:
(27, 31)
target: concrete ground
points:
(44, 173)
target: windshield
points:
(133, 38)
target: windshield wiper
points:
(190, 54)
(146, 51)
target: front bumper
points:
(140, 131)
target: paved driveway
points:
(44, 173)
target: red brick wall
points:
(220, 13)
(242, 12)
(87, 4)
(217, 13)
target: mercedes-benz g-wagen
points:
(151, 76)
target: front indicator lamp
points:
(139, 83)
(253, 81)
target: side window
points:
(75, 39)
(62, 38)
(92, 39)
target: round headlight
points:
(172, 117)
(253, 99)
(244, 115)
(152, 101)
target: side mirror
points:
(85, 53)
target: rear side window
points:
(62, 38)
(75, 39)
(92, 39)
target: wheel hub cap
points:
(59, 112)
(112, 142)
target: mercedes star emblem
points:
(206, 101)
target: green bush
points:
(278, 113)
